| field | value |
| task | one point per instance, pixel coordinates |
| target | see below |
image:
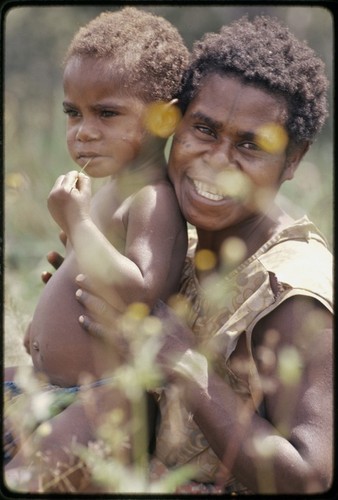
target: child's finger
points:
(83, 183)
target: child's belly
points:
(60, 348)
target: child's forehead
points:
(91, 64)
(98, 75)
(93, 70)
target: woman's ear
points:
(294, 156)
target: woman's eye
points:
(251, 146)
(205, 130)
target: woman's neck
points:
(232, 246)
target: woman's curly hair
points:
(148, 52)
(267, 54)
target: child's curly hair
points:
(148, 53)
(265, 53)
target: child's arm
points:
(155, 241)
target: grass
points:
(30, 231)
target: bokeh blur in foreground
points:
(35, 151)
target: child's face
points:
(105, 124)
(222, 171)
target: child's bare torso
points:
(59, 346)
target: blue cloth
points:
(61, 398)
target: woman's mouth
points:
(208, 191)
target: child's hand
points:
(69, 200)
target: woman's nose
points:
(221, 157)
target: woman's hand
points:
(175, 357)
(177, 342)
(69, 199)
(101, 316)
(54, 258)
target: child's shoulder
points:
(159, 196)
(162, 187)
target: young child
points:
(130, 238)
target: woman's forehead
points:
(225, 97)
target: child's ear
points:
(162, 118)
(294, 156)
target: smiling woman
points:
(246, 417)
(222, 162)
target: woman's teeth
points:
(208, 191)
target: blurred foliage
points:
(35, 40)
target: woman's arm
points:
(288, 450)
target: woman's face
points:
(228, 157)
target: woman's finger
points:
(55, 259)
(63, 238)
(97, 308)
(108, 295)
(85, 283)
(108, 335)
(95, 329)
(46, 276)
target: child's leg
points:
(9, 373)
(49, 454)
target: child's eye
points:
(108, 113)
(72, 113)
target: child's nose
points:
(87, 131)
